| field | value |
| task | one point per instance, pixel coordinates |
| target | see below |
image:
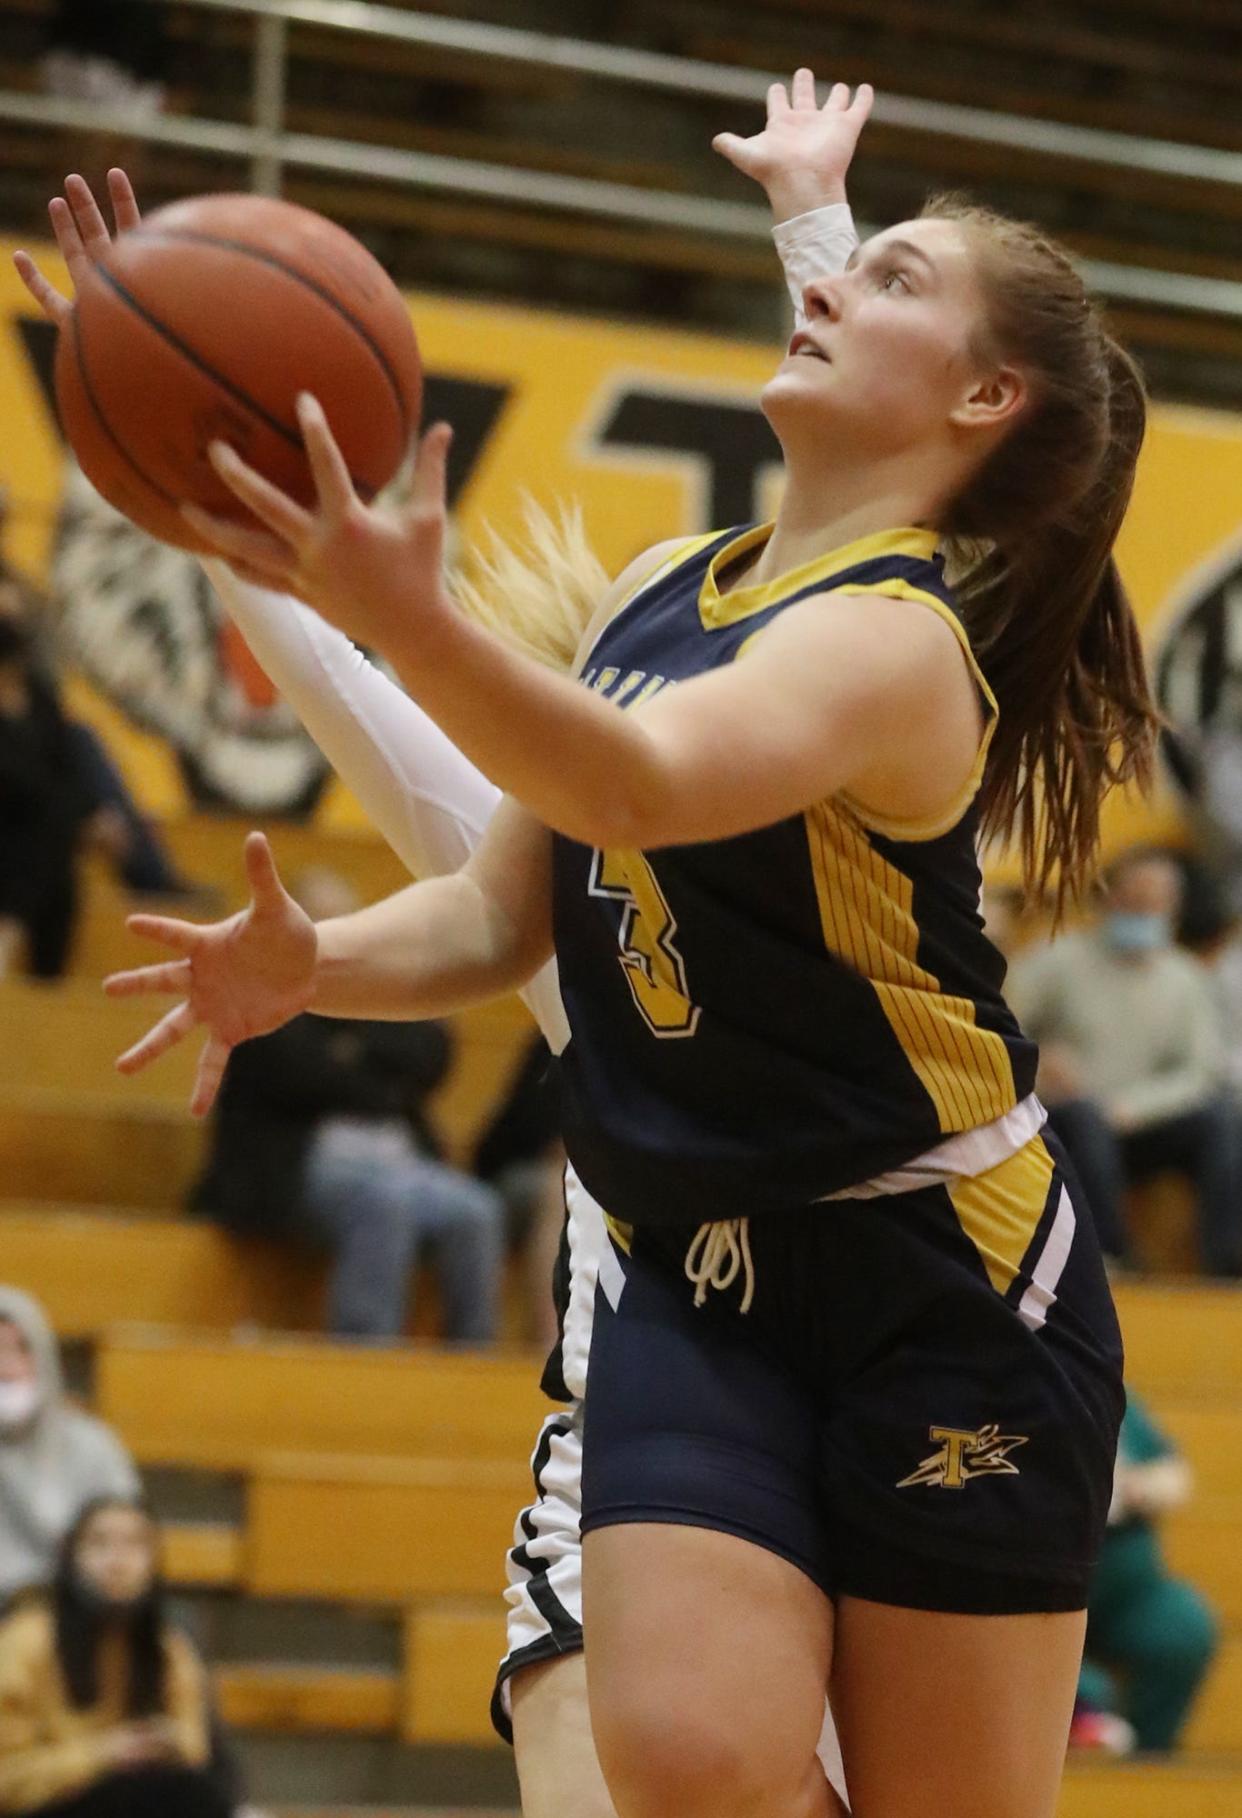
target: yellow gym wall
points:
(562, 377)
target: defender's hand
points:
(82, 236)
(241, 977)
(804, 151)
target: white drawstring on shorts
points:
(717, 1251)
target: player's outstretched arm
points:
(433, 948)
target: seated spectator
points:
(60, 795)
(1132, 1065)
(319, 1136)
(104, 1707)
(1150, 1637)
(53, 1457)
(521, 1154)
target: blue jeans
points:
(376, 1216)
(1203, 1143)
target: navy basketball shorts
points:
(920, 1406)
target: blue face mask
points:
(1134, 931)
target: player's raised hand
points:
(240, 977)
(371, 573)
(82, 236)
(803, 152)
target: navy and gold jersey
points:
(759, 1021)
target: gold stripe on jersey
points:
(716, 609)
(1000, 1211)
(866, 911)
(623, 1233)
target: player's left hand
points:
(366, 571)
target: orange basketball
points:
(207, 321)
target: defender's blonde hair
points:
(538, 595)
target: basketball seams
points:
(226, 385)
(88, 391)
(223, 244)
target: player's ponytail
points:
(538, 597)
(1032, 538)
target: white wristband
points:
(819, 241)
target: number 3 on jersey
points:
(653, 966)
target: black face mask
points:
(14, 639)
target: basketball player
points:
(433, 806)
(847, 1284)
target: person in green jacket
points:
(1150, 1637)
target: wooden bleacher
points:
(81, 1149)
(211, 1403)
(68, 1037)
(93, 1270)
(1148, 1789)
(300, 1699)
(382, 1530)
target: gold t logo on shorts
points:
(961, 1455)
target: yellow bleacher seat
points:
(451, 1654)
(203, 1555)
(69, 1034)
(1185, 1339)
(380, 1529)
(95, 1149)
(293, 1699)
(90, 1272)
(1216, 1720)
(1209, 1434)
(1152, 1790)
(196, 1400)
(1202, 1543)
(72, 1127)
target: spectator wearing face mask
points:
(1132, 1065)
(53, 1457)
(104, 1707)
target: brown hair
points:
(1032, 536)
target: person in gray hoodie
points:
(53, 1457)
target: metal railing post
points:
(271, 62)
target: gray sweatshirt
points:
(51, 1467)
(1145, 1031)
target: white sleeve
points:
(820, 240)
(429, 802)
